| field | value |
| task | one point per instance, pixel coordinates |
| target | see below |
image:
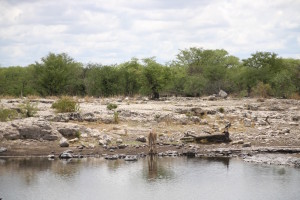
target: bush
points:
(221, 110)
(262, 90)
(66, 104)
(7, 114)
(28, 109)
(111, 106)
(78, 134)
(116, 117)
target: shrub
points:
(78, 134)
(28, 109)
(221, 110)
(262, 90)
(7, 114)
(116, 117)
(66, 104)
(111, 106)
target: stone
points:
(198, 111)
(247, 144)
(74, 140)
(61, 118)
(63, 142)
(284, 131)
(294, 123)
(3, 149)
(90, 117)
(30, 128)
(247, 122)
(237, 142)
(223, 94)
(102, 142)
(65, 155)
(262, 122)
(68, 130)
(51, 156)
(122, 146)
(11, 133)
(212, 98)
(141, 139)
(119, 141)
(296, 118)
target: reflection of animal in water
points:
(152, 142)
(152, 165)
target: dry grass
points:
(8, 97)
(295, 96)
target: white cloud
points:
(114, 31)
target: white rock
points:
(63, 142)
(247, 122)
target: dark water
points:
(163, 178)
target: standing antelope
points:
(152, 142)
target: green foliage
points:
(194, 72)
(58, 74)
(221, 110)
(7, 114)
(111, 106)
(16, 81)
(154, 78)
(283, 84)
(103, 80)
(66, 104)
(78, 134)
(28, 109)
(130, 73)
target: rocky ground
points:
(256, 124)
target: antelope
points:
(152, 142)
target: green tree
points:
(154, 78)
(209, 65)
(16, 81)
(59, 74)
(130, 73)
(283, 84)
(177, 79)
(102, 80)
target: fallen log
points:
(212, 138)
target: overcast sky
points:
(114, 31)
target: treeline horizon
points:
(194, 72)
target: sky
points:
(114, 31)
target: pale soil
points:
(170, 119)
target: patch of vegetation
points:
(66, 104)
(116, 117)
(7, 114)
(221, 110)
(111, 106)
(78, 134)
(189, 114)
(193, 72)
(28, 109)
(262, 90)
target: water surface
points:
(161, 178)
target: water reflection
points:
(152, 167)
(223, 160)
(159, 168)
(149, 178)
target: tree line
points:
(194, 72)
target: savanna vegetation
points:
(194, 72)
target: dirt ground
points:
(254, 123)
